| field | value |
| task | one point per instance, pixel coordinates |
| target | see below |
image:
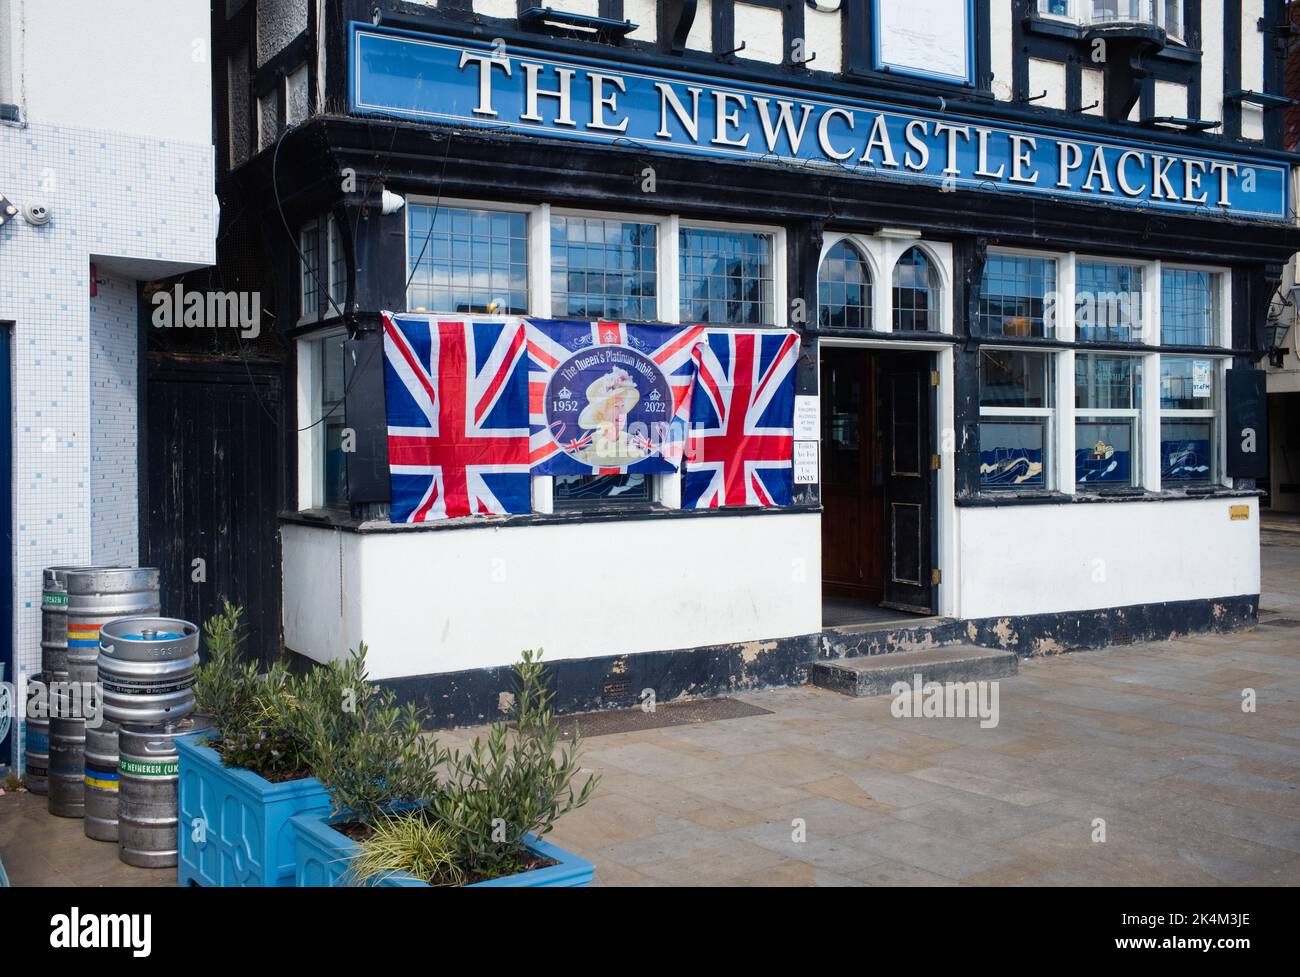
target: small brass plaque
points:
(1238, 512)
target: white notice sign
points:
(807, 419)
(1202, 370)
(805, 462)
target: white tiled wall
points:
(112, 196)
(114, 388)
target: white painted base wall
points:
(1044, 558)
(453, 599)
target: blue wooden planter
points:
(324, 855)
(247, 838)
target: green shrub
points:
(255, 713)
(409, 843)
(372, 756)
(513, 784)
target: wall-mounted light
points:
(391, 203)
(899, 233)
(826, 6)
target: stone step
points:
(876, 674)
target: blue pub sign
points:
(467, 82)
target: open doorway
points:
(878, 483)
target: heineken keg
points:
(67, 770)
(146, 669)
(37, 754)
(148, 769)
(101, 782)
(96, 596)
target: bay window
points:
(1015, 392)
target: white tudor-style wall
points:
(1085, 556)
(446, 600)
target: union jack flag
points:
(552, 342)
(457, 401)
(742, 420)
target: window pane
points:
(726, 277)
(1059, 8)
(1107, 382)
(338, 267)
(1013, 379)
(844, 289)
(334, 470)
(576, 490)
(309, 245)
(1103, 452)
(1108, 302)
(467, 260)
(1186, 451)
(1017, 296)
(1189, 312)
(603, 269)
(1186, 383)
(916, 292)
(1012, 454)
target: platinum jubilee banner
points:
(608, 398)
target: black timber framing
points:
(1043, 38)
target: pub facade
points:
(1009, 264)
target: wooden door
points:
(905, 410)
(852, 501)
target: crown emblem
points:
(654, 394)
(611, 336)
(564, 393)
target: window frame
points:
(780, 303)
(854, 243)
(533, 228)
(1097, 415)
(310, 408)
(1220, 336)
(336, 260)
(306, 270)
(882, 251)
(1046, 416)
(1150, 274)
(662, 225)
(1215, 414)
(1076, 15)
(1058, 332)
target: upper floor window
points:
(916, 291)
(338, 285)
(1017, 296)
(844, 289)
(727, 277)
(1162, 13)
(603, 269)
(1189, 307)
(467, 260)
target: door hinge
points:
(936, 577)
(935, 462)
(934, 378)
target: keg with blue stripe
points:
(67, 769)
(147, 668)
(101, 781)
(36, 748)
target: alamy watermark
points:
(945, 700)
(181, 308)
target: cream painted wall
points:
(453, 599)
(1252, 67)
(1049, 77)
(1002, 52)
(88, 64)
(1084, 556)
(1212, 61)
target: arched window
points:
(916, 293)
(844, 289)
